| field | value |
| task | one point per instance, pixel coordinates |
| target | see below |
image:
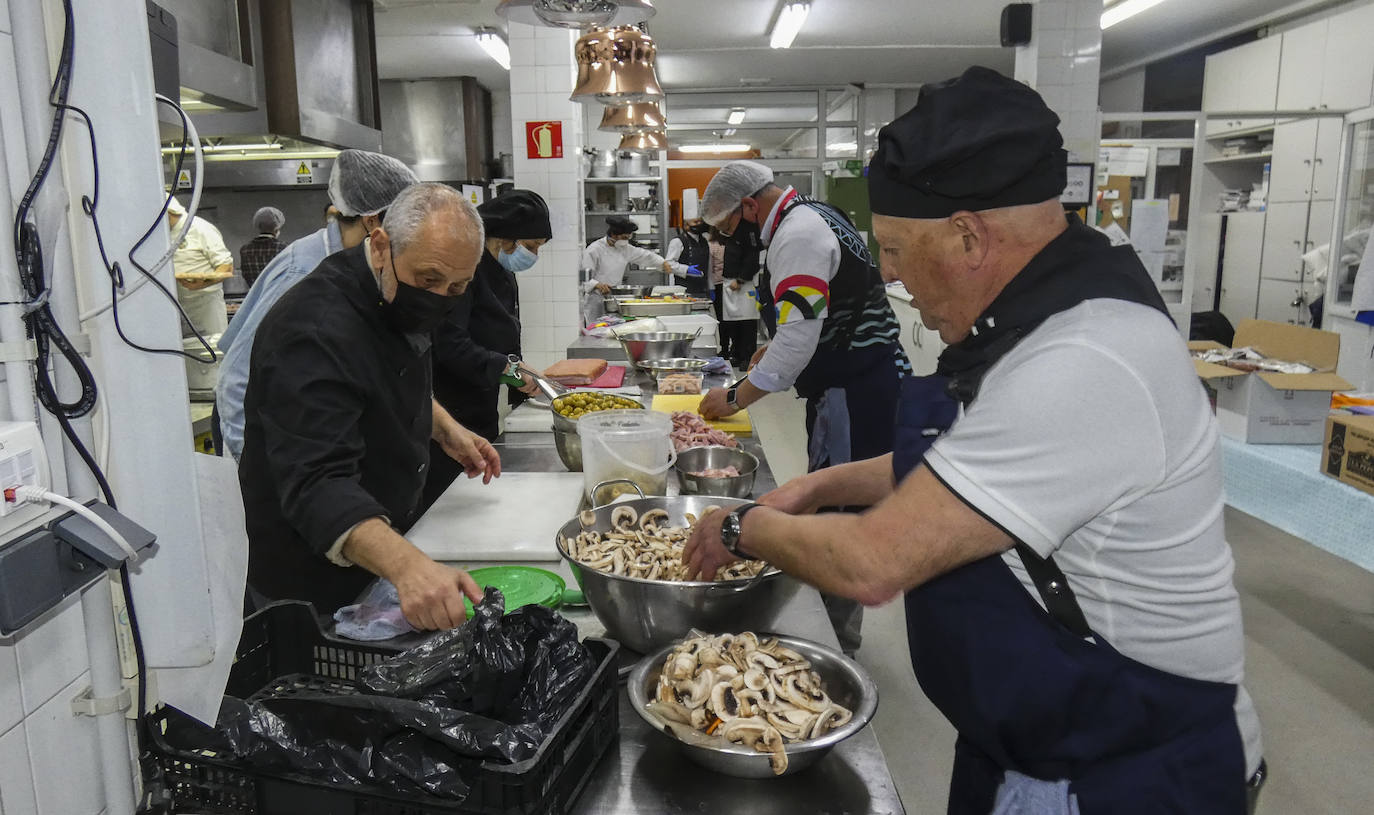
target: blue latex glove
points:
(694, 271)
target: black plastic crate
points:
(284, 643)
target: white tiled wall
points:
(51, 655)
(541, 80)
(66, 761)
(1063, 63)
(16, 774)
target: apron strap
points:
(1054, 589)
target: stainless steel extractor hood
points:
(441, 128)
(293, 72)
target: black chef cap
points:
(516, 215)
(981, 141)
(617, 225)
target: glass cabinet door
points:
(1356, 214)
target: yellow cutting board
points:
(738, 424)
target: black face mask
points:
(698, 229)
(746, 234)
(414, 310)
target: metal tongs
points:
(547, 386)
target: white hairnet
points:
(732, 183)
(268, 219)
(364, 183)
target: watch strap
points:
(732, 546)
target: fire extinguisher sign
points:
(544, 139)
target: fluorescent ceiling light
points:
(1124, 10)
(789, 22)
(736, 116)
(496, 48)
(714, 148)
(846, 146)
(729, 131)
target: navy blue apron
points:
(1036, 691)
(1027, 693)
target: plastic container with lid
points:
(630, 444)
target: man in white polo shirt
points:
(1068, 585)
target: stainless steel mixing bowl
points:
(696, 459)
(647, 614)
(644, 345)
(842, 678)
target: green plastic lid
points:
(521, 585)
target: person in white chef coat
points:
(201, 263)
(607, 259)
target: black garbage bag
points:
(491, 689)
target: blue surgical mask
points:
(518, 260)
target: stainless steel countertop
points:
(644, 773)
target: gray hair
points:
(419, 202)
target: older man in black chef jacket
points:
(340, 414)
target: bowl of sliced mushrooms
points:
(627, 558)
(752, 705)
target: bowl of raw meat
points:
(716, 470)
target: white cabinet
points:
(1280, 301)
(1357, 342)
(1326, 159)
(1348, 60)
(1300, 70)
(1285, 228)
(1290, 169)
(1319, 225)
(1233, 124)
(1240, 267)
(1306, 159)
(1243, 79)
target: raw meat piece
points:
(690, 430)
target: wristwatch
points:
(731, 528)
(730, 394)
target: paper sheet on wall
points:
(1133, 161)
(197, 690)
(1149, 224)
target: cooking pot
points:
(632, 164)
(603, 163)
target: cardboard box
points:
(1349, 452)
(1263, 407)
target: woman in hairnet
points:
(474, 345)
(257, 253)
(606, 260)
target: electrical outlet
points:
(22, 461)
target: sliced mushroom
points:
(724, 702)
(669, 711)
(587, 518)
(829, 719)
(696, 691)
(623, 518)
(652, 520)
(755, 679)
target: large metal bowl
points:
(671, 365)
(844, 679)
(569, 446)
(648, 614)
(696, 459)
(656, 345)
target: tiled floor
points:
(1309, 620)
